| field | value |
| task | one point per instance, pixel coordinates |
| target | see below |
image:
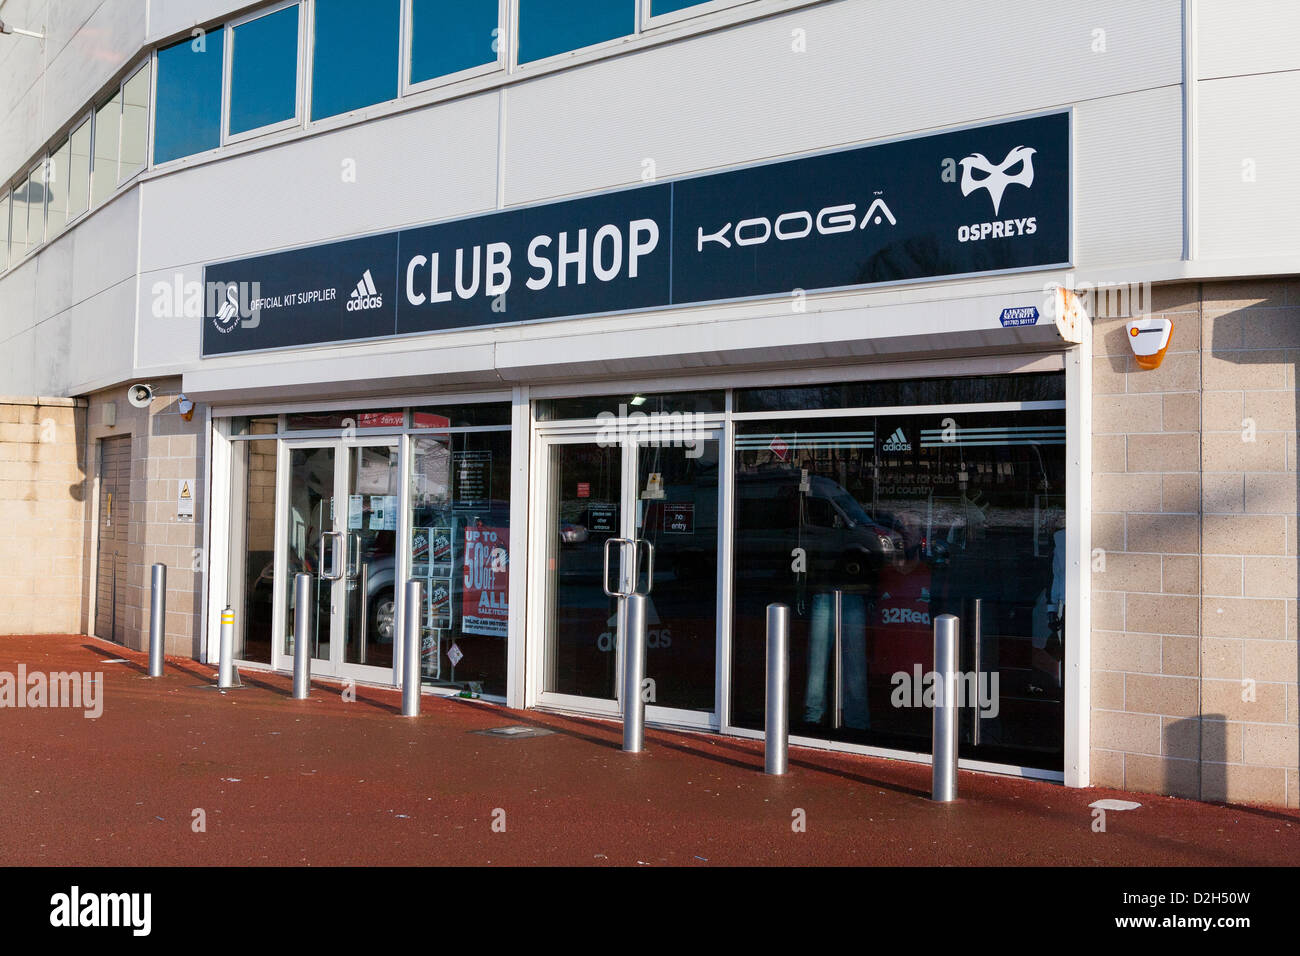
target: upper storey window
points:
(356, 46)
(187, 105)
(550, 27)
(449, 37)
(264, 72)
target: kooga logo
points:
(365, 295)
(796, 225)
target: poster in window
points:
(485, 596)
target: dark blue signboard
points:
(971, 201)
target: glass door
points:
(341, 523)
(664, 495)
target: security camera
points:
(140, 395)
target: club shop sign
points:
(980, 200)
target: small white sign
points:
(185, 499)
(454, 655)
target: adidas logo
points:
(365, 296)
(897, 442)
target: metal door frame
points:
(344, 454)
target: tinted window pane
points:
(448, 36)
(36, 207)
(461, 416)
(188, 103)
(354, 61)
(1038, 387)
(135, 125)
(18, 231)
(548, 27)
(899, 518)
(56, 184)
(264, 71)
(672, 6)
(630, 403)
(79, 171)
(4, 231)
(108, 120)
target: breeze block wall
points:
(1194, 529)
(42, 515)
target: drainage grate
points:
(514, 731)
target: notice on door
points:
(485, 595)
(472, 485)
(679, 519)
(602, 519)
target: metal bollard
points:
(157, 619)
(634, 675)
(943, 780)
(776, 724)
(411, 651)
(226, 663)
(302, 584)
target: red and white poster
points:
(485, 607)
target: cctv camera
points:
(140, 395)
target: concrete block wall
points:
(1195, 577)
(42, 515)
(164, 450)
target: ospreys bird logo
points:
(996, 178)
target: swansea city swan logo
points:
(1018, 167)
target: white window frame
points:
(505, 52)
(144, 64)
(227, 74)
(88, 117)
(582, 51)
(651, 22)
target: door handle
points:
(604, 580)
(354, 554)
(335, 551)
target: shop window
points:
(460, 551)
(264, 72)
(668, 403)
(1047, 386)
(354, 54)
(187, 117)
(78, 172)
(316, 421)
(550, 27)
(56, 179)
(461, 416)
(868, 527)
(449, 37)
(263, 425)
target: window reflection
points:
(187, 104)
(264, 71)
(448, 36)
(550, 27)
(870, 527)
(367, 37)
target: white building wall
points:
(870, 70)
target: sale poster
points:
(485, 607)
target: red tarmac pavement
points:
(326, 781)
